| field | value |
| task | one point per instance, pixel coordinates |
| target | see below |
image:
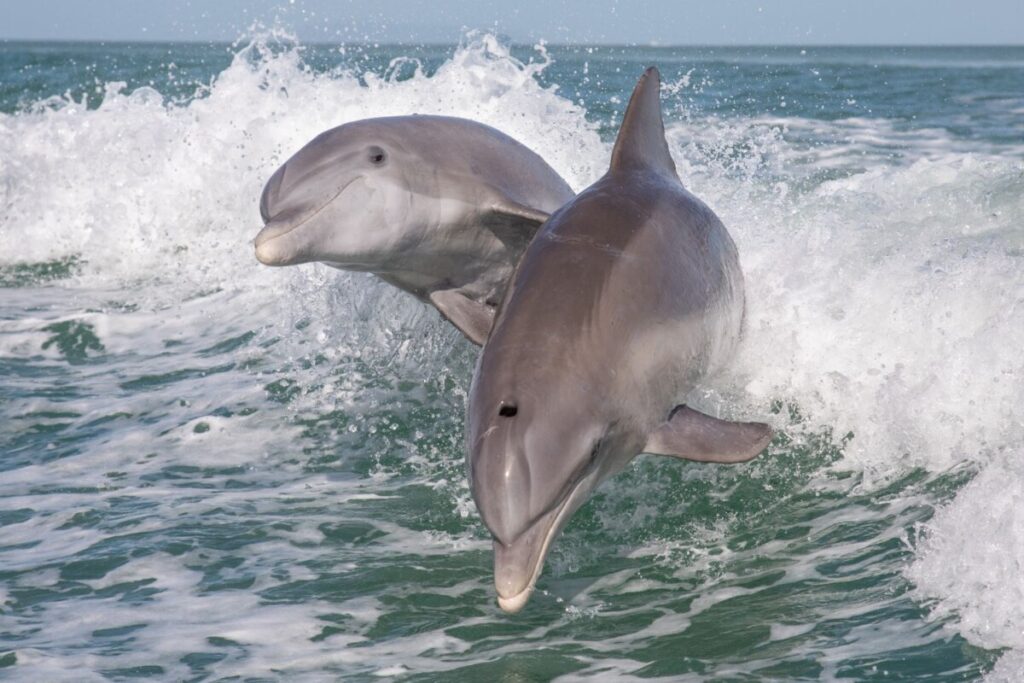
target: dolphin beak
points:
(273, 245)
(518, 563)
(273, 248)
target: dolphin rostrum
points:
(625, 299)
(440, 207)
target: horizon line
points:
(512, 43)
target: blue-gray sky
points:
(666, 22)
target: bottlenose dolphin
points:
(625, 299)
(440, 207)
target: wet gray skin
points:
(440, 207)
(628, 296)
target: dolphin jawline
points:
(569, 504)
(271, 232)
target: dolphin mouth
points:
(270, 254)
(517, 566)
(272, 251)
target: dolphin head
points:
(351, 197)
(533, 460)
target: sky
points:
(662, 22)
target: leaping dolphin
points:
(440, 207)
(627, 297)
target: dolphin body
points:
(440, 207)
(626, 298)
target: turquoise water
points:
(213, 470)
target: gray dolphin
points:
(626, 298)
(440, 207)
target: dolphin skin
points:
(626, 298)
(440, 207)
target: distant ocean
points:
(214, 470)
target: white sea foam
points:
(887, 302)
(969, 562)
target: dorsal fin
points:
(641, 142)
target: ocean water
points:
(214, 470)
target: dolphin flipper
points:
(693, 435)
(473, 318)
(514, 223)
(520, 212)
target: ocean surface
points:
(214, 470)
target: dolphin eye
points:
(377, 156)
(508, 410)
(596, 448)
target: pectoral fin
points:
(520, 213)
(513, 223)
(693, 435)
(473, 318)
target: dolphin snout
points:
(280, 242)
(271, 251)
(517, 564)
(516, 567)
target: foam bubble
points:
(969, 561)
(1009, 668)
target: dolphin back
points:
(641, 142)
